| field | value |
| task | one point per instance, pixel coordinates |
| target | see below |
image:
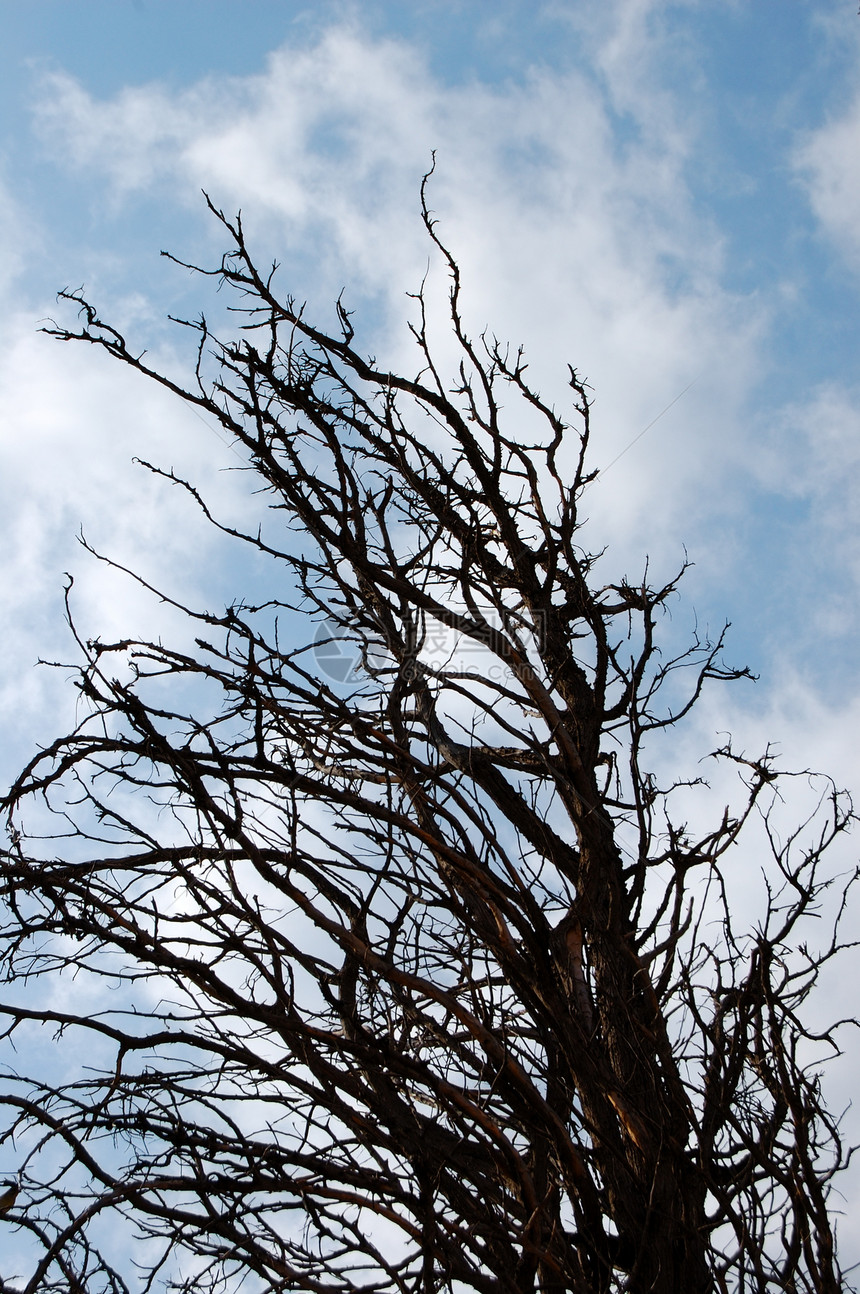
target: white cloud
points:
(72, 424)
(810, 455)
(829, 162)
(21, 238)
(586, 250)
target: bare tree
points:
(419, 982)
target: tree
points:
(419, 982)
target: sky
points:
(666, 195)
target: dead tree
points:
(415, 981)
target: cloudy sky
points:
(665, 194)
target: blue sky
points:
(665, 194)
